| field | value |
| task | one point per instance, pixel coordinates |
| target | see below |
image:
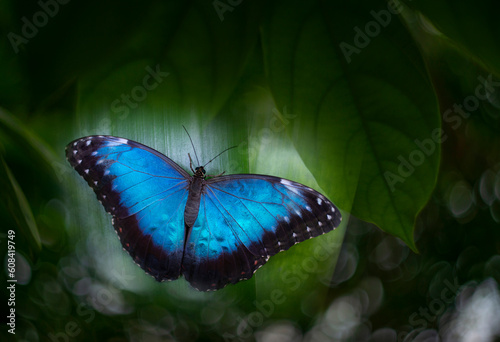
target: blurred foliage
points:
(389, 108)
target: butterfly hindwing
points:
(244, 220)
(146, 194)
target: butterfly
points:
(213, 231)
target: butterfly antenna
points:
(227, 149)
(192, 145)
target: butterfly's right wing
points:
(146, 194)
(244, 220)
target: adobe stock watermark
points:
(420, 319)
(131, 100)
(122, 106)
(222, 7)
(372, 29)
(139, 93)
(454, 116)
(250, 147)
(39, 19)
(294, 278)
(277, 123)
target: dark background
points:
(391, 109)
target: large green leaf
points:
(360, 100)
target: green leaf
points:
(17, 129)
(357, 104)
(200, 61)
(301, 271)
(17, 204)
(471, 25)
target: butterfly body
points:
(212, 231)
(194, 197)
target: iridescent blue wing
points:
(244, 220)
(146, 194)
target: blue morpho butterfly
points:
(213, 231)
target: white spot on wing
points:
(319, 200)
(308, 208)
(106, 172)
(88, 142)
(287, 219)
(122, 141)
(94, 153)
(320, 223)
(285, 182)
(79, 161)
(86, 171)
(328, 217)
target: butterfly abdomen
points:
(193, 202)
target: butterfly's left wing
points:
(146, 194)
(244, 220)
